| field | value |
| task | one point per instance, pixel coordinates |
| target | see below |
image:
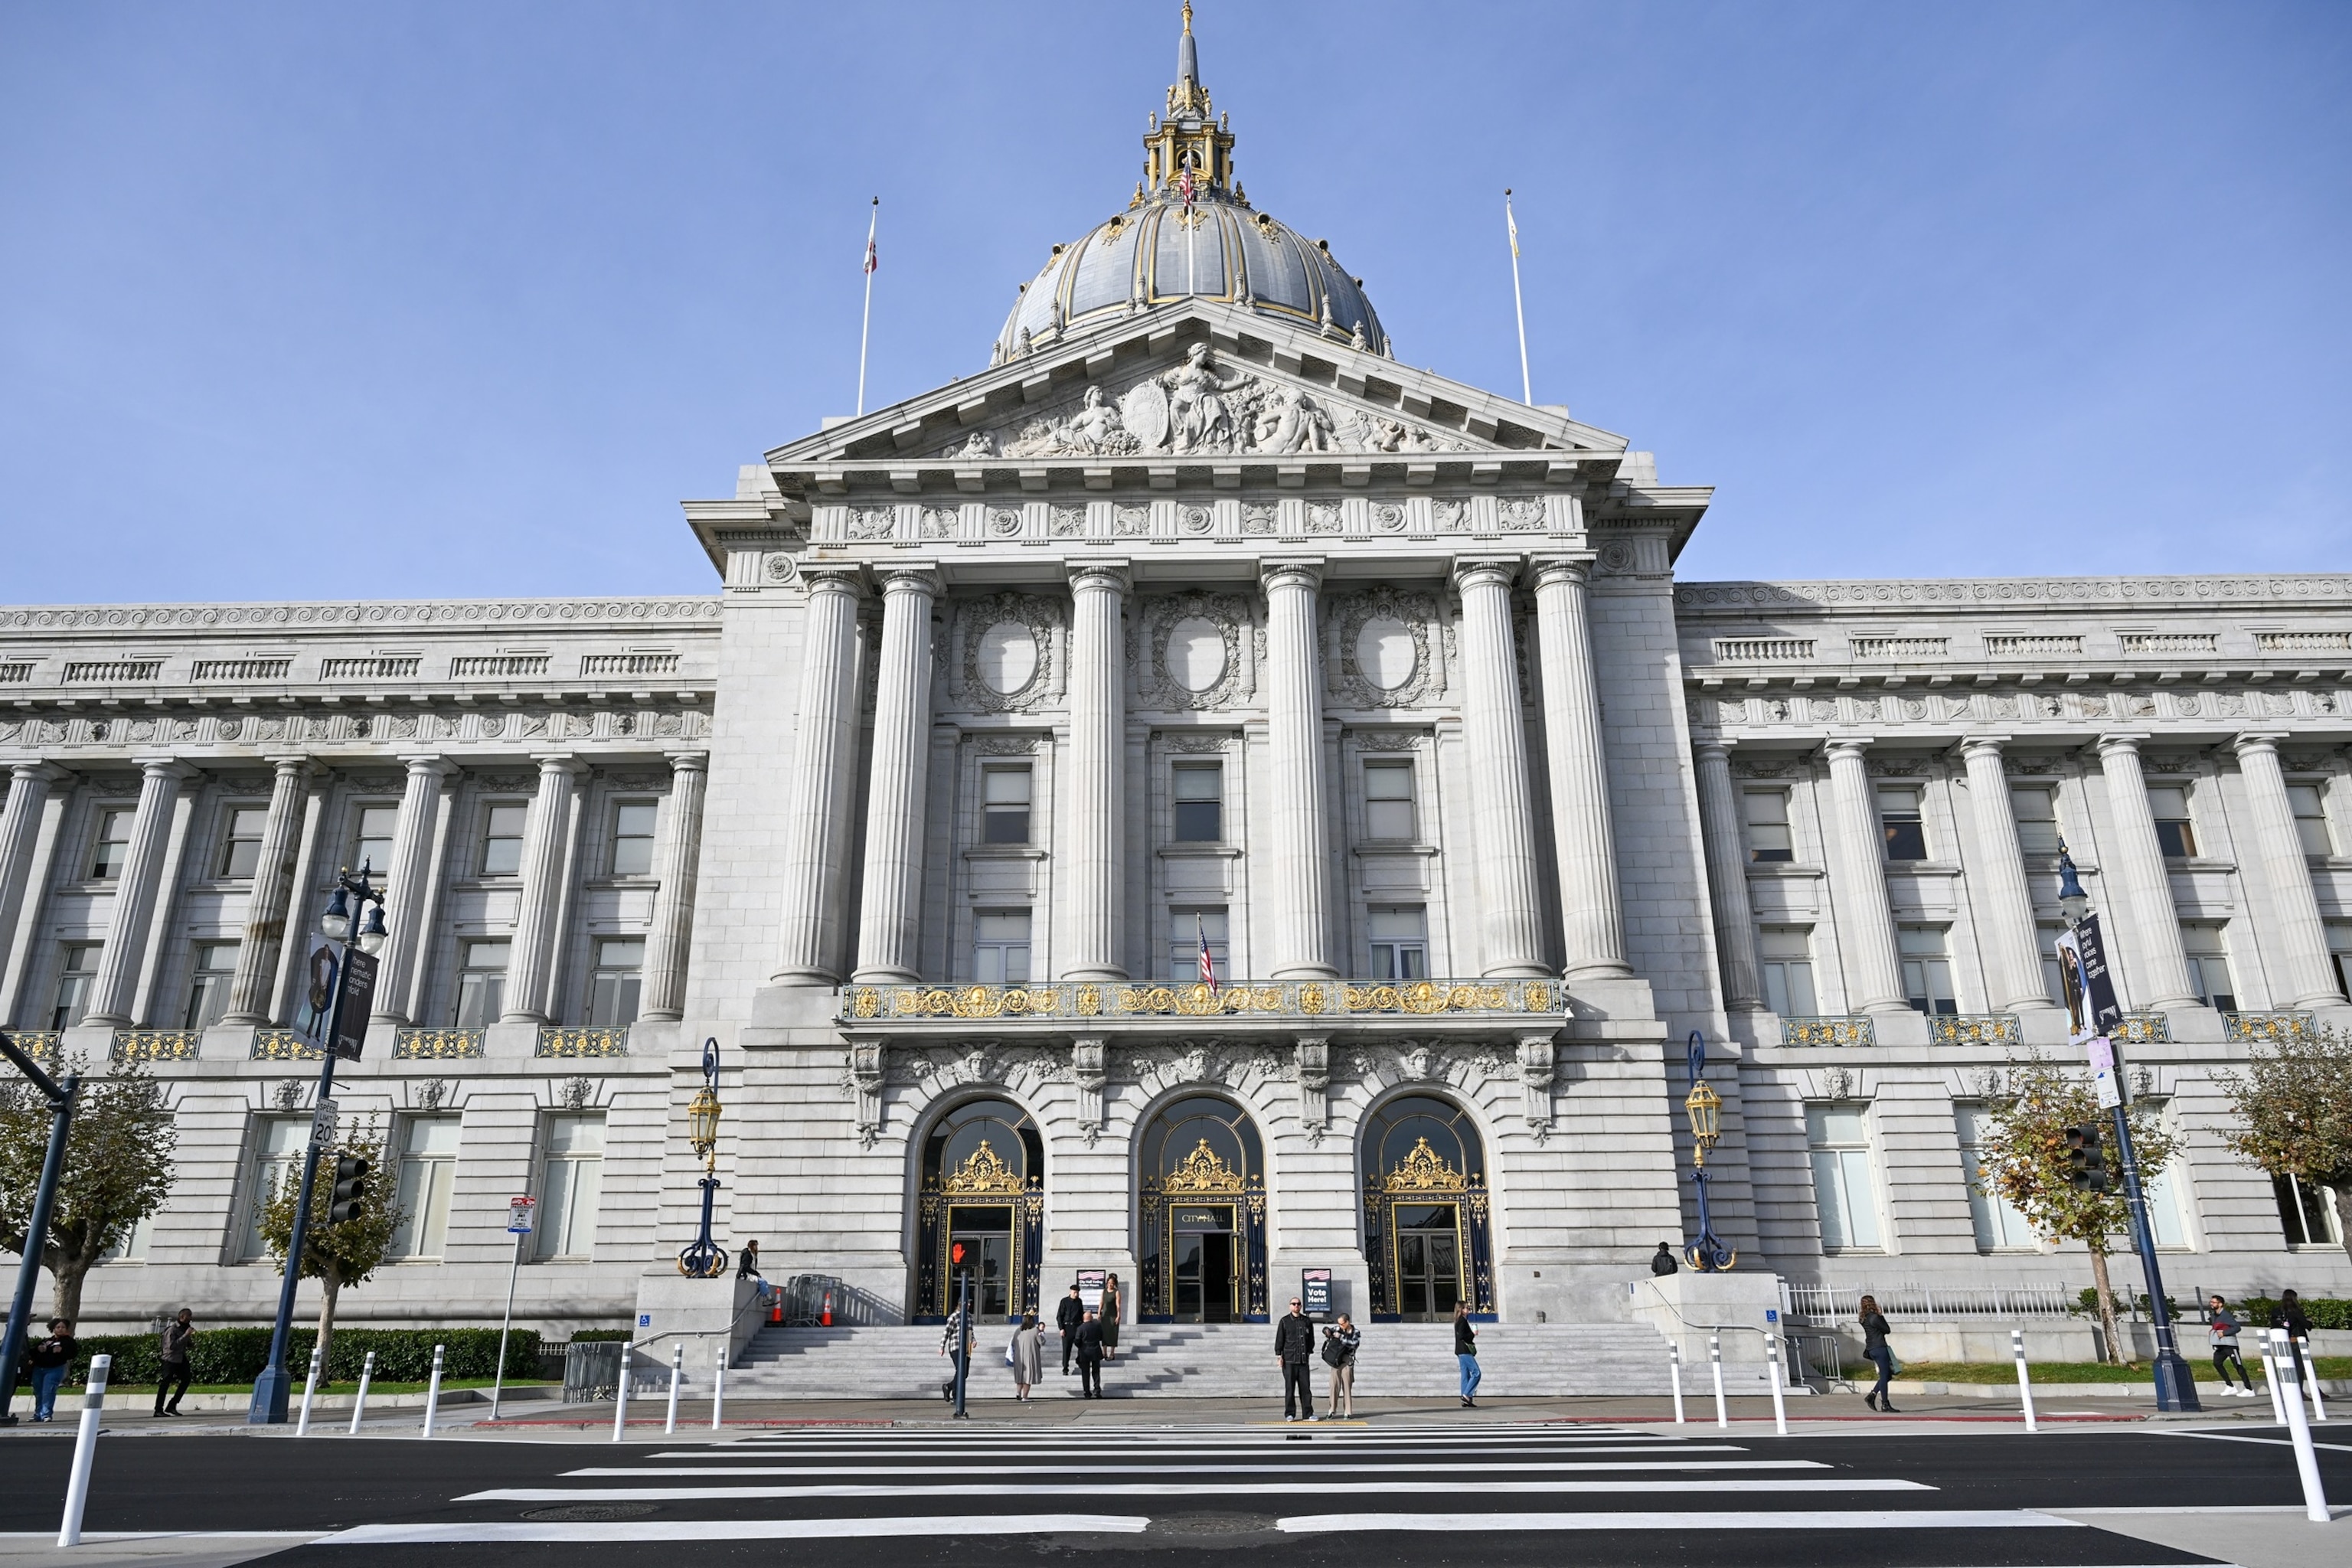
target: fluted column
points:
(134, 894)
(20, 829)
(1095, 798)
(664, 998)
(1726, 878)
(1996, 885)
(2300, 936)
(814, 841)
(1493, 728)
(889, 910)
(265, 903)
(531, 962)
(1298, 820)
(2138, 889)
(1593, 918)
(405, 883)
(1869, 930)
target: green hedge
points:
(2325, 1312)
(236, 1355)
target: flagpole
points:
(866, 325)
(1519, 302)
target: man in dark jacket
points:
(48, 1359)
(171, 1347)
(1294, 1347)
(1090, 1354)
(1067, 1318)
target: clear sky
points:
(453, 298)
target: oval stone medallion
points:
(1385, 652)
(1007, 657)
(1196, 653)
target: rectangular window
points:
(2310, 807)
(1766, 812)
(1399, 935)
(429, 1169)
(1200, 803)
(277, 1159)
(2208, 964)
(1786, 953)
(2000, 1226)
(2176, 836)
(77, 968)
(2339, 953)
(212, 967)
(481, 980)
(1926, 969)
(2308, 1213)
(1389, 811)
(571, 1179)
(2166, 1192)
(633, 839)
(613, 984)
(2036, 810)
(1000, 947)
(372, 843)
(1899, 824)
(1844, 1190)
(1186, 930)
(113, 845)
(131, 1245)
(241, 842)
(502, 826)
(1004, 805)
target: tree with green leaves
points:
(336, 1254)
(2294, 1107)
(2024, 1153)
(118, 1168)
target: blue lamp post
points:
(1706, 1109)
(703, 1258)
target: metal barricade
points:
(592, 1370)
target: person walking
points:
(48, 1360)
(1090, 1356)
(173, 1348)
(1067, 1317)
(2289, 1315)
(1028, 1357)
(955, 1343)
(1108, 1317)
(1294, 1348)
(1465, 1355)
(1339, 1346)
(2224, 1329)
(1878, 1353)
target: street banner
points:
(317, 1004)
(2091, 1006)
(1090, 1287)
(2105, 1081)
(1315, 1291)
(359, 998)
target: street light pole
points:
(60, 1097)
(2176, 1386)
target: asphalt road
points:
(1291, 1495)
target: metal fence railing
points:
(1838, 1303)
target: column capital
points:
(2127, 741)
(912, 578)
(1101, 577)
(1840, 747)
(432, 762)
(2256, 741)
(1980, 745)
(1574, 569)
(833, 577)
(293, 764)
(1292, 571)
(688, 761)
(165, 768)
(1466, 568)
(559, 762)
(28, 769)
(1717, 747)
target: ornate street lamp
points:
(1706, 1109)
(704, 1259)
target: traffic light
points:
(351, 1189)
(2087, 1165)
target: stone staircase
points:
(1211, 1361)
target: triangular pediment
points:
(1197, 383)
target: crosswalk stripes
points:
(1292, 1481)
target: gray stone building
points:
(1195, 636)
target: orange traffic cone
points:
(775, 1307)
(826, 1317)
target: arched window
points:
(1426, 1234)
(1201, 1230)
(981, 1211)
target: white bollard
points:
(719, 1389)
(1779, 1398)
(676, 1376)
(93, 1405)
(433, 1394)
(2306, 1460)
(2271, 1381)
(2311, 1365)
(621, 1393)
(309, 1391)
(2025, 1379)
(358, 1407)
(1715, 1354)
(1677, 1365)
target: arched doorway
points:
(1426, 1233)
(981, 1207)
(1202, 1225)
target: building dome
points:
(1189, 233)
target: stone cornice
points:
(2283, 590)
(539, 614)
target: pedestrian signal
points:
(2086, 1164)
(955, 1254)
(351, 1189)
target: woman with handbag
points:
(1880, 1355)
(1340, 1345)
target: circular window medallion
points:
(1007, 657)
(1196, 653)
(1385, 652)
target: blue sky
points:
(325, 300)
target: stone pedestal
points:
(705, 1313)
(1690, 1307)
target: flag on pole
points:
(865, 323)
(873, 261)
(1208, 964)
(1184, 182)
(1508, 218)
(1518, 301)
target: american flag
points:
(1208, 964)
(1184, 181)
